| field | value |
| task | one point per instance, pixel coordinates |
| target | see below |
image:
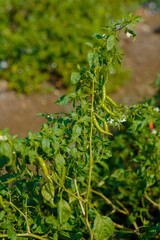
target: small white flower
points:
(104, 35)
(156, 109)
(110, 121)
(3, 138)
(154, 131)
(128, 35)
(118, 26)
(122, 120)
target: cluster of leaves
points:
(72, 181)
(39, 38)
(131, 174)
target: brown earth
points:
(143, 57)
(19, 112)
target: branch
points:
(110, 203)
(80, 202)
(66, 190)
(127, 229)
(151, 201)
(24, 235)
(25, 217)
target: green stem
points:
(83, 211)
(151, 201)
(128, 230)
(65, 189)
(28, 228)
(90, 143)
(110, 203)
(90, 162)
(24, 235)
(80, 202)
(105, 198)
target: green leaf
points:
(48, 192)
(131, 219)
(76, 132)
(84, 105)
(46, 145)
(11, 234)
(57, 131)
(63, 100)
(64, 211)
(6, 224)
(6, 150)
(2, 213)
(118, 174)
(97, 35)
(75, 77)
(72, 95)
(51, 220)
(55, 236)
(41, 229)
(110, 42)
(70, 235)
(93, 58)
(98, 228)
(89, 44)
(59, 161)
(32, 155)
(103, 227)
(90, 58)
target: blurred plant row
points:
(42, 39)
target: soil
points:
(142, 56)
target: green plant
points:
(39, 39)
(54, 179)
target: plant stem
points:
(151, 201)
(110, 203)
(66, 190)
(124, 208)
(105, 198)
(83, 211)
(128, 230)
(90, 162)
(80, 202)
(24, 235)
(28, 228)
(90, 144)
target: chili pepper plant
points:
(49, 180)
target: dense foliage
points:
(41, 39)
(74, 179)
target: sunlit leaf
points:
(110, 42)
(103, 227)
(75, 77)
(64, 211)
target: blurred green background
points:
(43, 40)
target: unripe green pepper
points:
(98, 126)
(44, 168)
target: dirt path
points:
(143, 57)
(19, 113)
